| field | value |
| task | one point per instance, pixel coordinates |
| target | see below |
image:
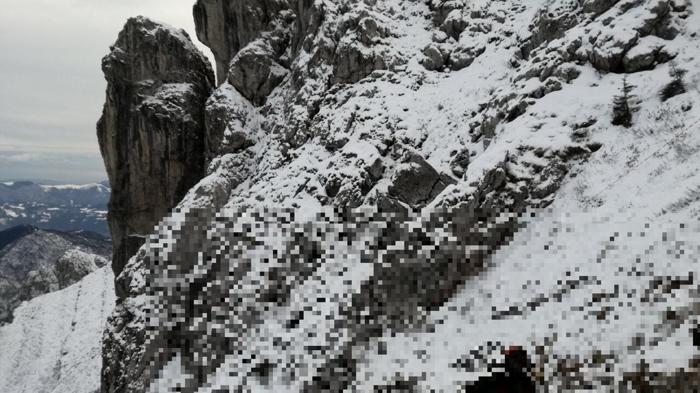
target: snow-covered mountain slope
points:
(588, 107)
(591, 313)
(36, 261)
(54, 343)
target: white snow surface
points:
(53, 344)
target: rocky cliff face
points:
(228, 26)
(152, 128)
(402, 105)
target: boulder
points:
(464, 55)
(376, 169)
(255, 72)
(610, 49)
(460, 162)
(415, 182)
(443, 8)
(552, 22)
(454, 24)
(230, 122)
(645, 55)
(433, 58)
(369, 31)
(354, 61)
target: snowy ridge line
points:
(648, 157)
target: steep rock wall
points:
(151, 132)
(228, 26)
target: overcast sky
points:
(51, 84)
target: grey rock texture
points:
(228, 26)
(229, 119)
(443, 8)
(151, 133)
(415, 182)
(255, 72)
(552, 22)
(124, 336)
(460, 162)
(353, 63)
(610, 49)
(434, 59)
(597, 7)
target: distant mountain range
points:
(66, 207)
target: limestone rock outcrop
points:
(416, 182)
(151, 133)
(227, 26)
(255, 72)
(229, 119)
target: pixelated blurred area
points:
(365, 300)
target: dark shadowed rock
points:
(597, 7)
(255, 72)
(228, 121)
(646, 55)
(434, 59)
(228, 26)
(610, 50)
(514, 377)
(416, 182)
(442, 8)
(151, 132)
(460, 162)
(551, 23)
(354, 61)
(454, 24)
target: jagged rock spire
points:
(151, 132)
